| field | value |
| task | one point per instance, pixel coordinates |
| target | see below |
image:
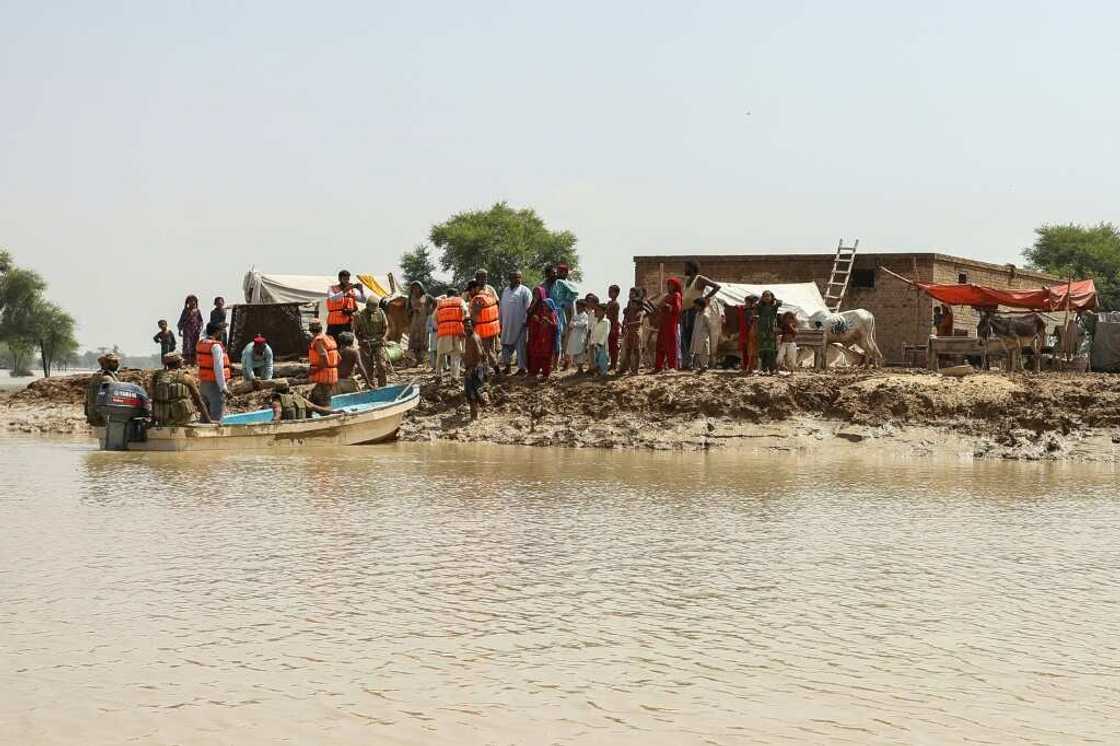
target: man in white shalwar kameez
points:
(513, 311)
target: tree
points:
(1081, 252)
(417, 266)
(53, 330)
(501, 240)
(29, 322)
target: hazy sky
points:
(150, 149)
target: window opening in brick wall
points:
(962, 278)
(863, 278)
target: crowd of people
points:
(474, 334)
(480, 332)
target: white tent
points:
(261, 287)
(803, 298)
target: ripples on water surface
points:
(422, 594)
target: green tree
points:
(53, 331)
(29, 322)
(20, 290)
(417, 266)
(501, 240)
(1081, 252)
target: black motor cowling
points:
(125, 407)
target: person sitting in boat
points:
(175, 395)
(107, 374)
(288, 405)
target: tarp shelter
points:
(803, 298)
(1081, 295)
(1105, 355)
(282, 324)
(262, 287)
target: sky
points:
(151, 150)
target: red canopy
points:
(1082, 296)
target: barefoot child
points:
(600, 338)
(787, 342)
(578, 329)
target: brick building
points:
(903, 315)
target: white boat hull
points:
(357, 428)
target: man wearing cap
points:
(371, 326)
(323, 358)
(342, 304)
(482, 279)
(108, 374)
(256, 361)
(175, 395)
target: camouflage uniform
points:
(293, 407)
(370, 327)
(172, 405)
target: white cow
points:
(848, 329)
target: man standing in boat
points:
(323, 356)
(214, 371)
(342, 304)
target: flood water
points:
(439, 594)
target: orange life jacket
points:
(449, 318)
(337, 309)
(486, 321)
(323, 369)
(205, 357)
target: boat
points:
(366, 417)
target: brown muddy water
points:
(424, 594)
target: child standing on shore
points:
(578, 329)
(787, 342)
(632, 331)
(699, 345)
(768, 332)
(600, 339)
(165, 338)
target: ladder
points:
(841, 273)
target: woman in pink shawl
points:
(543, 325)
(667, 330)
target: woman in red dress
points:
(543, 325)
(669, 327)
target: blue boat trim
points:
(362, 401)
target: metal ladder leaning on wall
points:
(841, 273)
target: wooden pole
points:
(1067, 336)
(661, 278)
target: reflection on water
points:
(438, 594)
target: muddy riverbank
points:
(1043, 416)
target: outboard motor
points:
(125, 407)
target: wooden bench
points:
(813, 339)
(959, 346)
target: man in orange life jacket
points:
(484, 317)
(213, 371)
(451, 311)
(324, 357)
(342, 304)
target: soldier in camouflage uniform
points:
(371, 326)
(175, 395)
(288, 405)
(108, 374)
